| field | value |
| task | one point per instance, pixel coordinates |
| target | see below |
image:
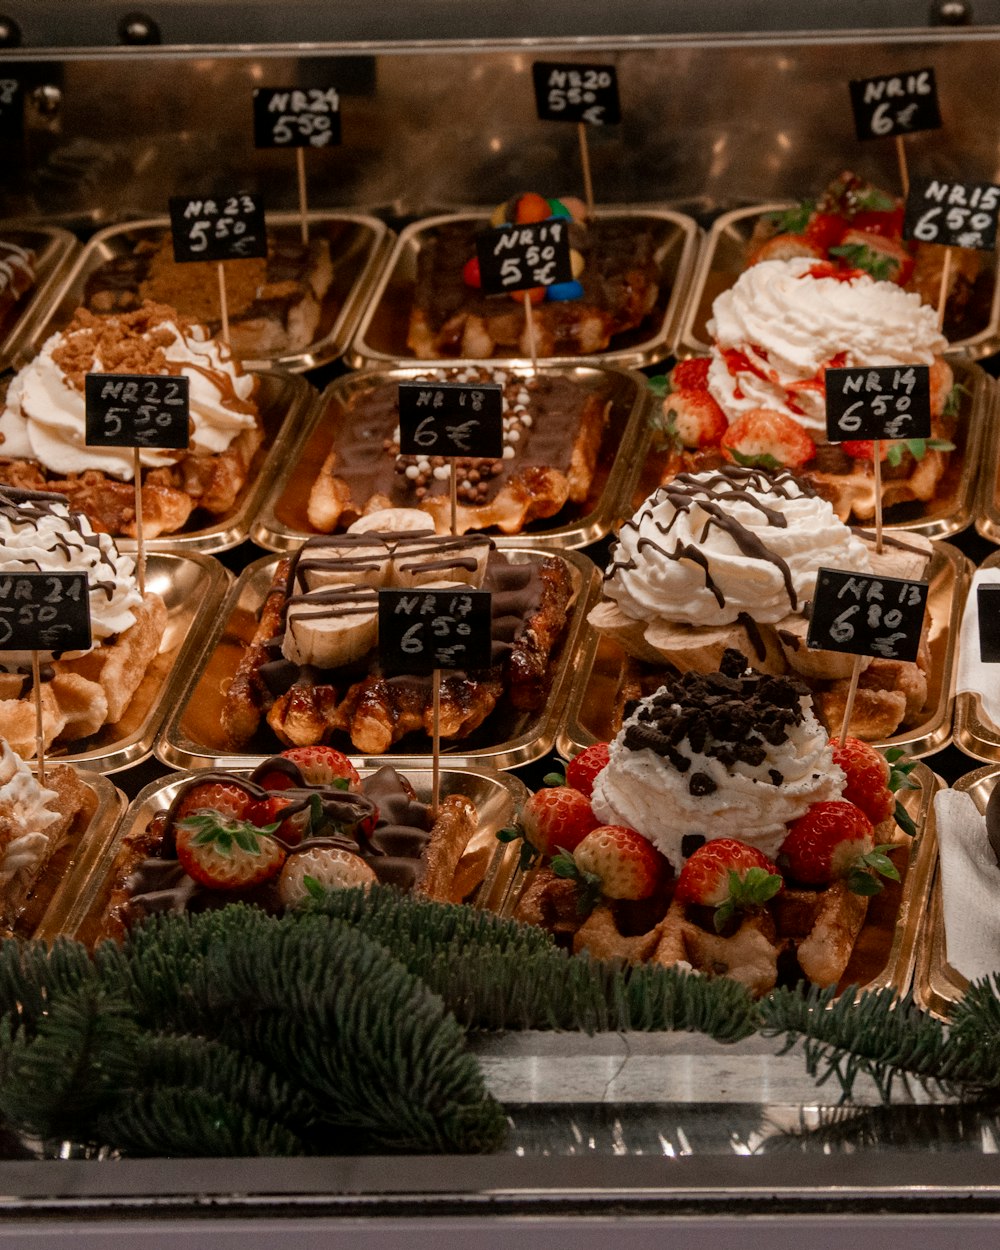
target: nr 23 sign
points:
(228, 227)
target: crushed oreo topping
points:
(701, 783)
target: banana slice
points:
(393, 521)
(331, 627)
(343, 560)
(419, 560)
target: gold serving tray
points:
(54, 249)
(975, 731)
(193, 738)
(192, 587)
(988, 482)
(591, 704)
(54, 891)
(723, 259)
(282, 523)
(358, 244)
(81, 907)
(953, 506)
(885, 952)
(381, 337)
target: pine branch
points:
(30, 972)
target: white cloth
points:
(970, 886)
(973, 676)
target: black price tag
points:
(517, 258)
(892, 401)
(955, 214)
(44, 612)
(451, 419)
(229, 227)
(576, 93)
(867, 615)
(293, 117)
(988, 606)
(136, 410)
(421, 630)
(895, 104)
(11, 109)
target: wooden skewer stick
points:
(436, 744)
(904, 173)
(223, 304)
(140, 545)
(943, 288)
(36, 677)
(877, 464)
(300, 169)
(849, 705)
(453, 477)
(588, 186)
(529, 322)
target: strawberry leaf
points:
(660, 386)
(864, 883)
(953, 404)
(860, 256)
(792, 220)
(509, 833)
(878, 859)
(313, 888)
(873, 200)
(894, 453)
(555, 779)
(564, 865)
(764, 461)
(724, 914)
(902, 818)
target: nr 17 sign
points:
(421, 630)
(228, 227)
(891, 401)
(517, 258)
(895, 104)
(136, 410)
(954, 214)
(866, 615)
(576, 93)
(44, 612)
(293, 117)
(450, 419)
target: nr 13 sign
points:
(891, 401)
(450, 419)
(517, 258)
(866, 615)
(44, 612)
(568, 92)
(420, 630)
(136, 410)
(227, 227)
(954, 214)
(293, 117)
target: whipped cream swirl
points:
(24, 817)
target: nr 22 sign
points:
(517, 258)
(136, 410)
(890, 401)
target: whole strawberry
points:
(835, 840)
(226, 854)
(552, 820)
(317, 766)
(613, 861)
(690, 374)
(729, 876)
(582, 769)
(692, 418)
(867, 773)
(765, 439)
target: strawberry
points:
(730, 876)
(886, 260)
(864, 448)
(224, 797)
(867, 772)
(693, 418)
(226, 854)
(268, 812)
(551, 820)
(615, 861)
(825, 230)
(888, 224)
(318, 766)
(321, 868)
(767, 439)
(835, 839)
(690, 375)
(582, 770)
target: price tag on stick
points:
(988, 607)
(895, 105)
(11, 111)
(585, 94)
(300, 118)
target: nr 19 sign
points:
(136, 410)
(517, 258)
(421, 630)
(228, 227)
(891, 401)
(954, 214)
(450, 419)
(292, 117)
(44, 612)
(576, 93)
(895, 104)
(866, 615)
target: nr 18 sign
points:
(136, 410)
(866, 615)
(895, 104)
(292, 117)
(891, 401)
(955, 214)
(421, 630)
(576, 93)
(450, 419)
(517, 258)
(44, 612)
(229, 227)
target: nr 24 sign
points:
(295, 117)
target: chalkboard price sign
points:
(576, 93)
(955, 214)
(988, 606)
(895, 104)
(517, 258)
(421, 630)
(11, 110)
(866, 615)
(450, 419)
(44, 612)
(136, 410)
(892, 401)
(291, 117)
(228, 227)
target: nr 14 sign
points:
(954, 214)
(227, 227)
(450, 419)
(867, 615)
(136, 410)
(44, 612)
(568, 92)
(895, 104)
(422, 630)
(891, 401)
(294, 117)
(517, 258)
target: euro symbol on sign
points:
(459, 434)
(594, 115)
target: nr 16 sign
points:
(891, 401)
(866, 615)
(576, 93)
(293, 117)
(136, 410)
(895, 104)
(421, 630)
(44, 612)
(228, 227)
(517, 258)
(450, 419)
(955, 214)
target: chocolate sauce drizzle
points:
(30, 507)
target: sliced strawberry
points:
(864, 449)
(730, 876)
(320, 868)
(825, 230)
(888, 224)
(226, 798)
(786, 246)
(613, 861)
(318, 766)
(226, 854)
(555, 819)
(582, 770)
(690, 374)
(867, 772)
(835, 840)
(693, 418)
(767, 439)
(886, 260)
(291, 829)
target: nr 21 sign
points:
(867, 615)
(294, 117)
(228, 227)
(451, 419)
(895, 104)
(891, 401)
(567, 92)
(954, 214)
(136, 410)
(422, 630)
(44, 612)
(517, 258)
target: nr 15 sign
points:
(44, 612)
(891, 401)
(227, 227)
(136, 410)
(421, 630)
(517, 258)
(954, 214)
(867, 615)
(568, 92)
(293, 117)
(451, 419)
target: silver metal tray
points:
(975, 731)
(54, 250)
(381, 336)
(282, 523)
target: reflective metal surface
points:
(54, 250)
(975, 731)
